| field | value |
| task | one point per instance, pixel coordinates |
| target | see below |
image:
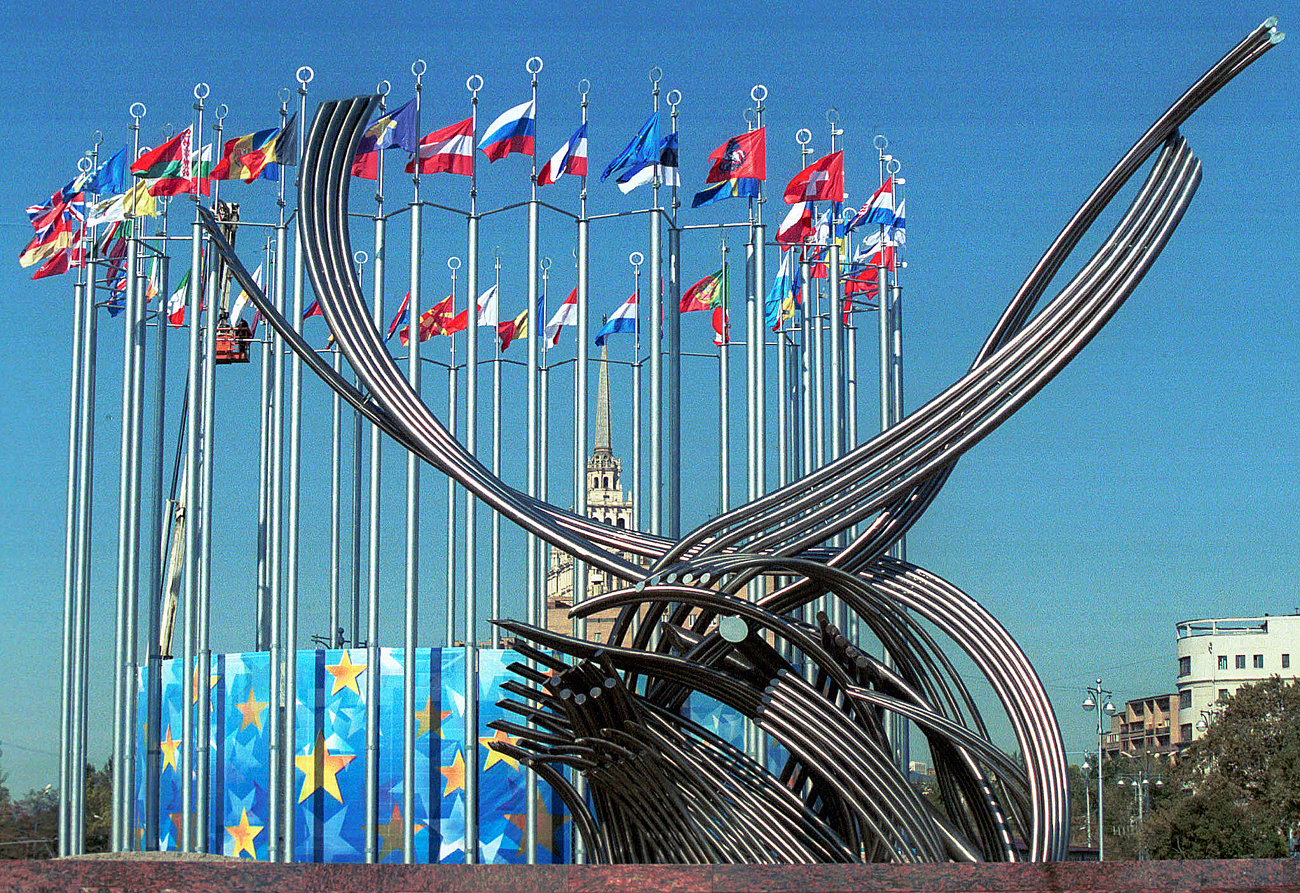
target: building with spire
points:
(607, 503)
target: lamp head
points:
(1089, 703)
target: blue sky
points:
(1153, 481)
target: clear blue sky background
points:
(1153, 481)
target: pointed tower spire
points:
(603, 444)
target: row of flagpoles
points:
(812, 247)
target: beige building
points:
(606, 502)
(1145, 726)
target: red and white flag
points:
(446, 151)
(797, 225)
(821, 181)
(567, 315)
(571, 158)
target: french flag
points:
(570, 159)
(624, 319)
(446, 151)
(567, 315)
(511, 132)
(879, 210)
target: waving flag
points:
(879, 210)
(624, 319)
(512, 131)
(898, 229)
(705, 294)
(136, 201)
(797, 224)
(176, 303)
(231, 166)
(822, 181)
(57, 230)
(642, 148)
(110, 177)
(281, 149)
(739, 188)
(443, 318)
(314, 310)
(566, 315)
(512, 329)
(571, 158)
(487, 307)
(449, 150)
(869, 250)
(781, 297)
(169, 162)
(403, 314)
(721, 326)
(397, 128)
(241, 302)
(742, 157)
(644, 172)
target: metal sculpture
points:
(660, 788)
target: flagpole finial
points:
(418, 68)
(803, 136)
(84, 164)
(220, 115)
(304, 75)
(656, 75)
(881, 142)
(96, 138)
(758, 93)
(750, 116)
(584, 87)
(534, 65)
(201, 91)
(453, 263)
(360, 258)
(893, 165)
(137, 111)
(545, 264)
(473, 84)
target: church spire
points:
(603, 444)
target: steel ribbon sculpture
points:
(660, 788)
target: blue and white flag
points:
(644, 172)
(624, 319)
(512, 131)
(642, 148)
(898, 230)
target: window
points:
(1186, 734)
(1223, 661)
(1286, 661)
(1185, 699)
(1184, 666)
(1241, 661)
(1223, 694)
(1259, 662)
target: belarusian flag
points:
(174, 166)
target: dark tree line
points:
(29, 827)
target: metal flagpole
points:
(496, 456)
(449, 640)
(835, 301)
(724, 389)
(655, 318)
(280, 812)
(473, 83)
(263, 486)
(758, 93)
(753, 335)
(636, 258)
(372, 568)
(158, 535)
(670, 523)
(360, 258)
(128, 502)
(412, 506)
(336, 506)
(580, 387)
(192, 568)
(534, 588)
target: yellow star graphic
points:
(345, 674)
(169, 746)
(244, 834)
(194, 687)
(320, 769)
(391, 833)
(424, 719)
(495, 757)
(252, 710)
(455, 775)
(546, 826)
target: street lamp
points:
(1141, 783)
(1087, 798)
(1093, 702)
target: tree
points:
(1240, 783)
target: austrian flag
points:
(447, 151)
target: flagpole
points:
(636, 258)
(336, 505)
(893, 312)
(360, 258)
(836, 301)
(153, 697)
(409, 638)
(753, 334)
(724, 389)
(496, 455)
(807, 318)
(535, 591)
(280, 746)
(669, 451)
(580, 386)
(449, 639)
(655, 318)
(473, 83)
(264, 488)
(758, 93)
(372, 568)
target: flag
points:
(60, 229)
(823, 180)
(487, 307)
(781, 293)
(167, 163)
(641, 148)
(880, 209)
(280, 150)
(176, 303)
(403, 314)
(313, 310)
(571, 158)
(231, 166)
(449, 150)
(512, 131)
(898, 229)
(875, 246)
(566, 315)
(738, 188)
(624, 319)
(200, 176)
(644, 172)
(721, 326)
(705, 294)
(110, 177)
(397, 128)
(136, 201)
(241, 302)
(742, 157)
(443, 318)
(62, 261)
(797, 224)
(512, 329)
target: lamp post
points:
(1094, 701)
(1141, 783)
(1087, 798)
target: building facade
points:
(1146, 726)
(1216, 657)
(607, 503)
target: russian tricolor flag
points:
(511, 132)
(570, 159)
(624, 319)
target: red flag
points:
(743, 156)
(821, 181)
(72, 256)
(703, 295)
(447, 151)
(722, 326)
(797, 225)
